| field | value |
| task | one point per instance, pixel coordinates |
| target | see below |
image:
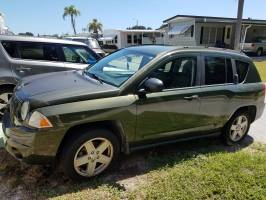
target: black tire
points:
(259, 52)
(3, 90)
(227, 132)
(72, 146)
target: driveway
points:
(257, 130)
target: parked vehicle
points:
(25, 56)
(135, 98)
(258, 47)
(109, 48)
(91, 42)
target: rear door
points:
(36, 58)
(217, 90)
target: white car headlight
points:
(24, 110)
(38, 120)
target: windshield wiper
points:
(94, 76)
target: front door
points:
(175, 110)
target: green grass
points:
(197, 171)
(261, 66)
(200, 169)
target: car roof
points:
(39, 39)
(158, 50)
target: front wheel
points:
(89, 154)
(5, 95)
(237, 128)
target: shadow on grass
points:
(49, 182)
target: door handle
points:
(190, 98)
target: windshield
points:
(93, 43)
(118, 67)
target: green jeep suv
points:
(134, 98)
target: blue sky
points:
(45, 16)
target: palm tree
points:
(95, 26)
(72, 12)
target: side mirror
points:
(236, 79)
(153, 85)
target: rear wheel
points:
(89, 154)
(237, 128)
(5, 95)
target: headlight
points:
(24, 110)
(38, 120)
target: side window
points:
(242, 69)
(70, 55)
(177, 73)
(50, 52)
(78, 54)
(33, 51)
(215, 70)
(38, 51)
(10, 48)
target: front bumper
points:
(19, 142)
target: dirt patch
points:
(21, 181)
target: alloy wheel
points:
(93, 157)
(239, 128)
(4, 98)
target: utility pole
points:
(239, 24)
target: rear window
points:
(215, 70)
(10, 48)
(38, 51)
(242, 69)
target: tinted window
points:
(50, 52)
(32, 51)
(229, 71)
(177, 73)
(78, 54)
(242, 69)
(10, 48)
(215, 70)
(38, 51)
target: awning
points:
(180, 29)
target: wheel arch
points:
(112, 125)
(251, 109)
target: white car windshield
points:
(118, 67)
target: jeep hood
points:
(62, 87)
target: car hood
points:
(62, 87)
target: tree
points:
(95, 26)
(73, 13)
(26, 34)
